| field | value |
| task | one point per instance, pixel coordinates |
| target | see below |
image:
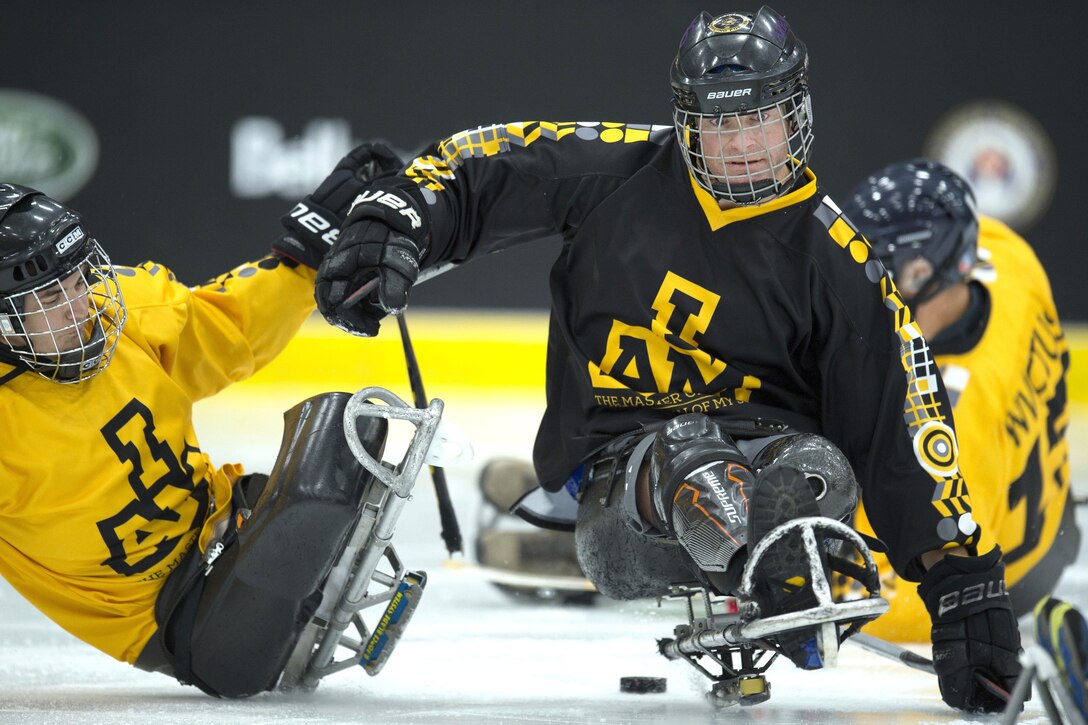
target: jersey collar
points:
(718, 217)
(9, 372)
(964, 334)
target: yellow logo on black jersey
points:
(662, 365)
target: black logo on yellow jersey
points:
(155, 473)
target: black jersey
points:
(662, 303)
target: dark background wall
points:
(183, 95)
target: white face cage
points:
(66, 330)
(748, 158)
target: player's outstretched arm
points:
(222, 331)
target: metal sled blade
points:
(754, 632)
(739, 640)
(368, 574)
(825, 614)
(392, 623)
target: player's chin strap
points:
(18, 365)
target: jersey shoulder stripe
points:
(430, 170)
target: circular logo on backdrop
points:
(45, 144)
(1004, 153)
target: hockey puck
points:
(642, 685)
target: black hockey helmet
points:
(733, 70)
(922, 221)
(41, 240)
(42, 324)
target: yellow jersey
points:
(1009, 403)
(104, 486)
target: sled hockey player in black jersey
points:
(723, 345)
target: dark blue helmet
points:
(922, 221)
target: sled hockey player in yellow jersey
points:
(113, 522)
(984, 304)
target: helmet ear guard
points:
(7, 327)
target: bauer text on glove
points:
(974, 629)
(314, 223)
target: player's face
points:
(55, 317)
(741, 149)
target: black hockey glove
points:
(381, 242)
(314, 223)
(974, 629)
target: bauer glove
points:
(375, 262)
(974, 629)
(314, 223)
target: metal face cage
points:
(66, 330)
(748, 158)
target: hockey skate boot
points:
(504, 480)
(783, 578)
(701, 483)
(520, 559)
(1060, 629)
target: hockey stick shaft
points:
(893, 652)
(918, 662)
(361, 292)
(371, 285)
(451, 530)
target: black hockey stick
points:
(918, 662)
(369, 286)
(892, 652)
(451, 530)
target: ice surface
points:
(470, 654)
